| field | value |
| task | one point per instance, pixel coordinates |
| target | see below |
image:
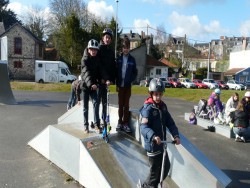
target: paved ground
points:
(22, 167)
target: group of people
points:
(237, 113)
(100, 69)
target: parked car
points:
(187, 83)
(247, 85)
(199, 84)
(222, 84)
(166, 82)
(174, 82)
(210, 83)
(145, 82)
(235, 85)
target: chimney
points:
(244, 43)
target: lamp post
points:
(116, 28)
(208, 66)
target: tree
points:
(35, 20)
(7, 16)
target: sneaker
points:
(98, 130)
(243, 139)
(126, 128)
(238, 139)
(68, 108)
(86, 131)
(119, 127)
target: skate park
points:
(66, 138)
(44, 112)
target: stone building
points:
(23, 48)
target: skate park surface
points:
(36, 110)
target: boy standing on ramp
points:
(154, 123)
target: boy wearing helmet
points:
(154, 123)
(127, 72)
(90, 80)
(108, 69)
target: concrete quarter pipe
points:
(6, 95)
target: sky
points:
(200, 20)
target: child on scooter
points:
(154, 123)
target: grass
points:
(193, 95)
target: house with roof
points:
(23, 48)
(239, 68)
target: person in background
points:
(127, 72)
(246, 103)
(240, 122)
(74, 86)
(90, 80)
(108, 69)
(231, 105)
(216, 106)
(155, 119)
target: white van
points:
(52, 72)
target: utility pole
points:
(208, 66)
(116, 25)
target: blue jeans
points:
(72, 98)
(102, 98)
(245, 132)
(93, 94)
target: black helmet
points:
(107, 31)
(156, 85)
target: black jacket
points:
(239, 118)
(90, 70)
(108, 65)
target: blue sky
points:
(200, 20)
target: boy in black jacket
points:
(108, 69)
(90, 77)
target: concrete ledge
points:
(223, 130)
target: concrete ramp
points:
(6, 95)
(122, 162)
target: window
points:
(18, 64)
(158, 72)
(18, 45)
(40, 50)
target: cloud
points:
(245, 28)
(191, 26)
(184, 3)
(17, 8)
(101, 9)
(141, 25)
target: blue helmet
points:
(217, 91)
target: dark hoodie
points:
(90, 70)
(108, 65)
(158, 120)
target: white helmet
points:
(217, 91)
(247, 94)
(93, 44)
(79, 78)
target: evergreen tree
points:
(7, 16)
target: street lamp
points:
(116, 28)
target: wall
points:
(239, 59)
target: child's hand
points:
(108, 82)
(157, 139)
(177, 140)
(94, 87)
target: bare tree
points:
(161, 39)
(36, 21)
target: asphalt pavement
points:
(23, 167)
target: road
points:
(21, 166)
